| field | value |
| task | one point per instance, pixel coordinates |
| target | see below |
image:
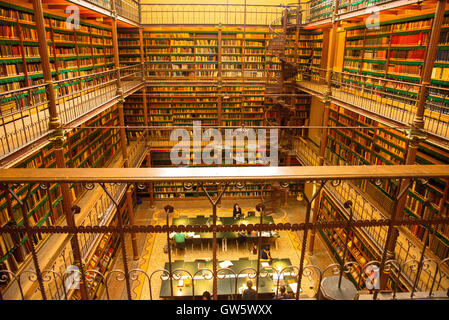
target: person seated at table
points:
(180, 240)
(206, 295)
(237, 212)
(283, 294)
(249, 293)
(265, 255)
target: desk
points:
(226, 286)
(201, 220)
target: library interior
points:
(224, 150)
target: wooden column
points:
(115, 49)
(129, 205)
(418, 121)
(144, 90)
(46, 68)
(325, 122)
(150, 185)
(57, 136)
(123, 143)
(283, 63)
(332, 48)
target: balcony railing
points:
(226, 14)
(365, 210)
(391, 99)
(126, 8)
(100, 214)
(24, 113)
(322, 10)
(305, 275)
(23, 117)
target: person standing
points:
(237, 212)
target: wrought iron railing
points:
(395, 100)
(436, 283)
(100, 214)
(322, 10)
(56, 282)
(126, 8)
(130, 76)
(79, 95)
(25, 116)
(226, 14)
(363, 209)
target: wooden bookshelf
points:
(359, 249)
(396, 50)
(103, 256)
(129, 46)
(320, 9)
(229, 54)
(83, 148)
(133, 111)
(72, 52)
(309, 52)
(381, 145)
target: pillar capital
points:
(326, 99)
(58, 137)
(334, 17)
(414, 134)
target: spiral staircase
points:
(289, 70)
(277, 91)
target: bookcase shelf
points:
(226, 54)
(359, 250)
(309, 45)
(83, 148)
(129, 46)
(381, 145)
(396, 50)
(70, 50)
(102, 257)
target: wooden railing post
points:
(57, 138)
(325, 122)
